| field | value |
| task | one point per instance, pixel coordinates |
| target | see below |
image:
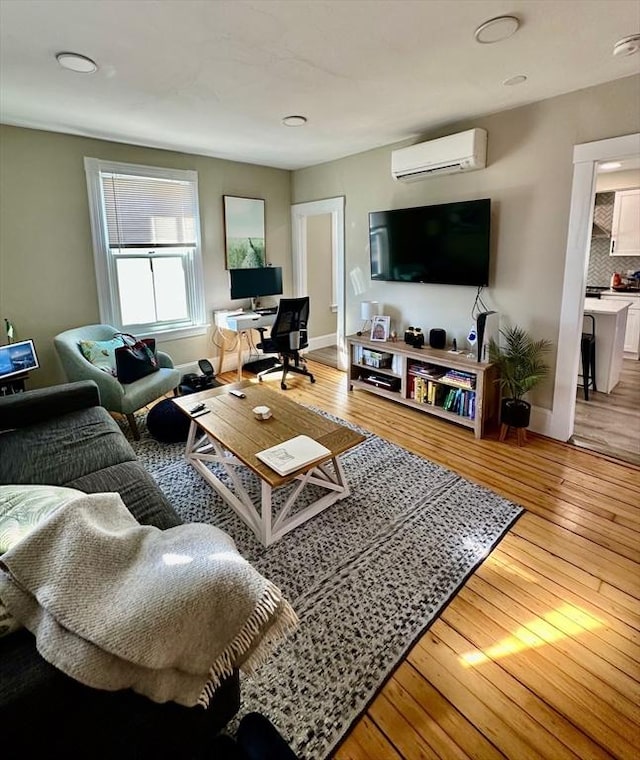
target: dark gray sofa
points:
(61, 436)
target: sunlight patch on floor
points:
(566, 621)
(510, 567)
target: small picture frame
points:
(380, 328)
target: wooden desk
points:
(241, 324)
(230, 436)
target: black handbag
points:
(136, 359)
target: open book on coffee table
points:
(291, 455)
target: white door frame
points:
(585, 159)
(299, 215)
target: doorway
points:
(587, 157)
(608, 420)
(318, 257)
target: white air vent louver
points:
(462, 152)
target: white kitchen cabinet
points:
(632, 332)
(625, 231)
(632, 335)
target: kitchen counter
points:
(610, 324)
(633, 295)
(597, 306)
(630, 292)
(632, 333)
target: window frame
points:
(105, 261)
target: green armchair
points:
(115, 397)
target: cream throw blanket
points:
(117, 605)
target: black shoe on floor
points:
(221, 748)
(260, 740)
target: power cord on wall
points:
(227, 340)
(478, 303)
(221, 340)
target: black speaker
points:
(437, 338)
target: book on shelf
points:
(460, 401)
(291, 455)
(427, 391)
(451, 376)
(429, 371)
(463, 386)
(463, 379)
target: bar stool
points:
(588, 354)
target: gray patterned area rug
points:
(366, 577)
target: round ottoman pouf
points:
(166, 423)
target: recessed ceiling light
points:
(627, 45)
(294, 121)
(76, 62)
(610, 166)
(518, 79)
(497, 29)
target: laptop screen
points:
(17, 358)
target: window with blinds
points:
(147, 246)
(147, 212)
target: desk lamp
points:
(368, 310)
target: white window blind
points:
(148, 212)
(146, 234)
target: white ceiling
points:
(215, 77)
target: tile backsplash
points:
(601, 264)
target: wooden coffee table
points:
(230, 435)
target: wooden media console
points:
(439, 382)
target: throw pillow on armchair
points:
(124, 356)
(101, 353)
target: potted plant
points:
(522, 366)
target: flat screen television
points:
(257, 282)
(447, 244)
(17, 358)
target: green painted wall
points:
(47, 280)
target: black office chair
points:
(288, 335)
(588, 356)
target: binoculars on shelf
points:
(414, 337)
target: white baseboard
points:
(322, 341)
(230, 361)
(541, 421)
(188, 367)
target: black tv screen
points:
(253, 283)
(447, 244)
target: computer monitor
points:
(257, 282)
(17, 358)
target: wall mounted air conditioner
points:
(462, 152)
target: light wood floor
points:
(538, 656)
(610, 423)
(327, 355)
